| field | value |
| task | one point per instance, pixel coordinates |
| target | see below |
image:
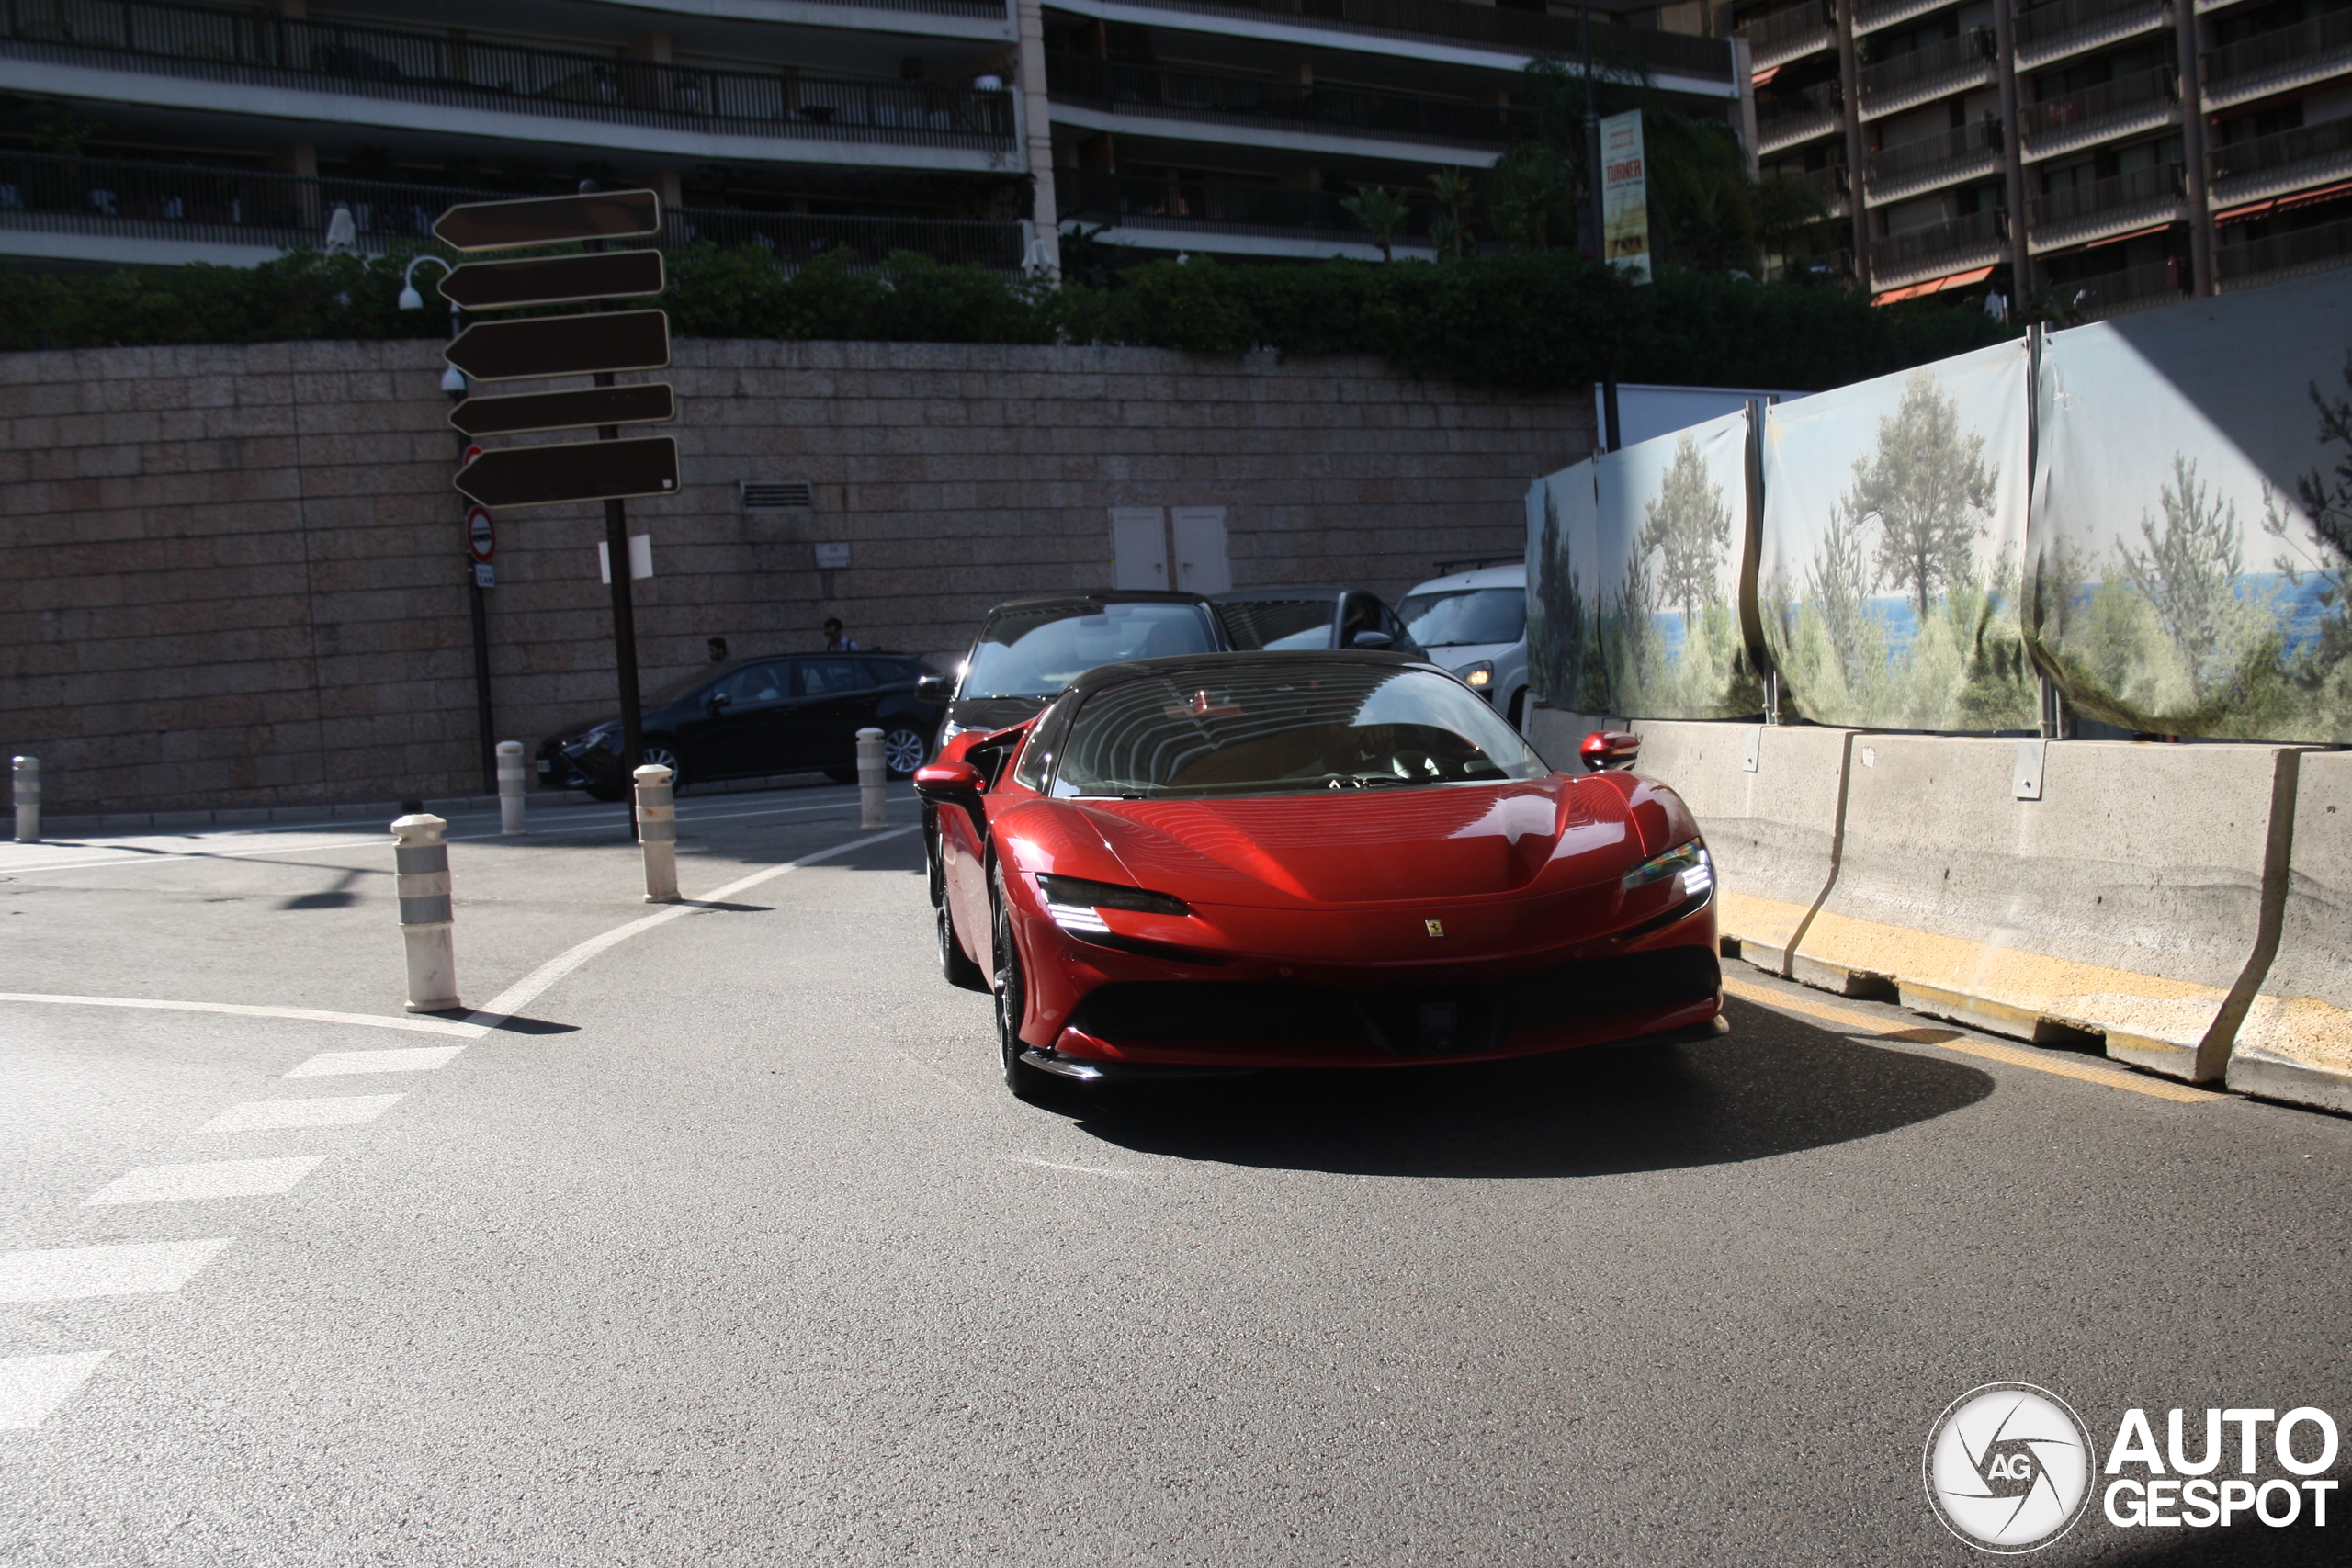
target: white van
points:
(1475, 623)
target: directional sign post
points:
(600, 345)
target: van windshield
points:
(1035, 652)
(1460, 618)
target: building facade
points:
(2116, 154)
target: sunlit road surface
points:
(727, 1246)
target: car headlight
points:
(1688, 861)
(1077, 904)
(1481, 675)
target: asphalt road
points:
(728, 1248)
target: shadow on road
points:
(1759, 1092)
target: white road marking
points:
(329, 1110)
(1080, 1170)
(416, 1059)
(71, 1273)
(527, 989)
(32, 1386)
(206, 1178)
(313, 1015)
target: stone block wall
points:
(235, 576)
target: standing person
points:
(834, 641)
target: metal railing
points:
(265, 48)
(1826, 185)
(1784, 35)
(1972, 50)
(2047, 24)
(2126, 289)
(1256, 100)
(1920, 247)
(2107, 100)
(1517, 32)
(1821, 98)
(2288, 48)
(194, 206)
(2314, 249)
(1118, 200)
(2325, 142)
(1910, 161)
(2160, 182)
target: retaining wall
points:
(2296, 1042)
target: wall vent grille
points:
(761, 495)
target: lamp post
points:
(453, 382)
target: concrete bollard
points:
(421, 868)
(510, 788)
(27, 772)
(657, 833)
(871, 774)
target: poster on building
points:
(1563, 662)
(1894, 544)
(1672, 521)
(1624, 196)
(2192, 541)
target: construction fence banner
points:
(1564, 659)
(2192, 515)
(1673, 527)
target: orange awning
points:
(2134, 234)
(1935, 286)
(2283, 203)
(1764, 76)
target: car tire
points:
(903, 750)
(955, 967)
(656, 753)
(1010, 996)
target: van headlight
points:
(1481, 675)
(1688, 861)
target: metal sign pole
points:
(624, 604)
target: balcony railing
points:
(1137, 201)
(1926, 161)
(1786, 35)
(1953, 60)
(1229, 101)
(2314, 249)
(2127, 289)
(2141, 188)
(2307, 48)
(1923, 250)
(197, 206)
(1783, 119)
(2324, 147)
(263, 48)
(2042, 30)
(1827, 186)
(1513, 32)
(2079, 112)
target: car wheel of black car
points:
(958, 969)
(658, 755)
(1011, 994)
(904, 749)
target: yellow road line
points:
(2041, 1062)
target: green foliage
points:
(1383, 212)
(1530, 322)
(1689, 526)
(1930, 490)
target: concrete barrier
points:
(2296, 1042)
(2125, 902)
(1768, 797)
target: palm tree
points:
(1383, 212)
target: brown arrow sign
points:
(649, 403)
(551, 220)
(561, 345)
(578, 470)
(553, 280)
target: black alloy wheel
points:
(904, 749)
(1011, 996)
(954, 964)
(659, 754)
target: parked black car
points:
(1030, 647)
(761, 715)
(1310, 617)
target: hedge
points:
(1531, 321)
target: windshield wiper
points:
(1366, 781)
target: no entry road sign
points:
(551, 220)
(481, 539)
(579, 471)
(561, 345)
(553, 280)
(648, 403)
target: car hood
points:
(1375, 846)
(993, 713)
(1457, 656)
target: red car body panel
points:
(1335, 897)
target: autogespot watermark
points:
(2011, 1467)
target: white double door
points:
(1148, 541)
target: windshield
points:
(1272, 731)
(1036, 652)
(1279, 623)
(1459, 617)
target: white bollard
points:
(870, 776)
(27, 772)
(510, 787)
(657, 833)
(421, 878)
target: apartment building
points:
(169, 130)
(2121, 154)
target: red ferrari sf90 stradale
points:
(1308, 860)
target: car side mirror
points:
(1609, 749)
(947, 781)
(1371, 639)
(935, 688)
(720, 700)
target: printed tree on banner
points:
(2327, 502)
(2189, 571)
(1931, 491)
(1690, 527)
(1838, 584)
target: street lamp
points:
(453, 380)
